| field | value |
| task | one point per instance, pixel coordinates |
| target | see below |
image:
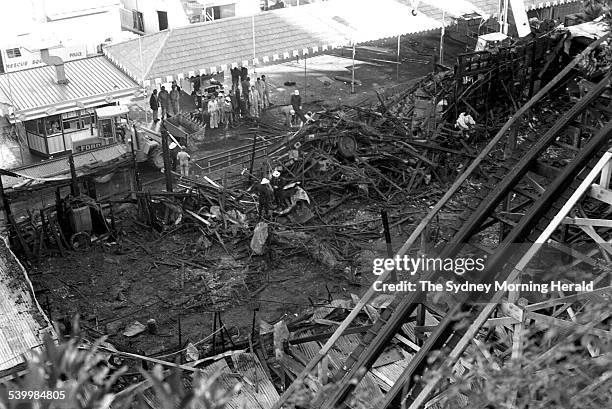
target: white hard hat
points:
(296, 92)
(172, 146)
(292, 112)
(276, 174)
(264, 181)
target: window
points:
(13, 53)
(162, 18)
(138, 20)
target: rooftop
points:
(34, 93)
(22, 322)
(268, 37)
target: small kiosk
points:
(77, 131)
(110, 127)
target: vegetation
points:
(89, 381)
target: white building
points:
(151, 16)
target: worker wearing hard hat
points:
(264, 192)
(465, 123)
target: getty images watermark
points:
(462, 267)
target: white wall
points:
(47, 23)
(149, 8)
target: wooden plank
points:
(581, 221)
(545, 319)
(600, 193)
(567, 299)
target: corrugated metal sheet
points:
(59, 169)
(36, 88)
(279, 35)
(22, 322)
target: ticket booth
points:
(110, 127)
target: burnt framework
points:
(554, 187)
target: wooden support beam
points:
(603, 244)
(580, 221)
(556, 322)
(569, 298)
(600, 193)
(546, 170)
(606, 174)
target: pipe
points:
(57, 62)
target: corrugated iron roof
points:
(59, 169)
(279, 35)
(22, 322)
(35, 90)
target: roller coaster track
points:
(508, 190)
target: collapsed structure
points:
(541, 175)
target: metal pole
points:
(442, 40)
(166, 155)
(353, 72)
(305, 81)
(253, 36)
(398, 58)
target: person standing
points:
(254, 103)
(246, 88)
(244, 73)
(235, 77)
(220, 108)
(183, 159)
(266, 92)
(175, 95)
(228, 110)
(235, 96)
(213, 112)
(164, 102)
(154, 104)
(259, 87)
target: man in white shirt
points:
(183, 159)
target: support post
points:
(353, 72)
(166, 155)
(252, 159)
(305, 80)
(5, 202)
(74, 185)
(385, 222)
(134, 162)
(442, 32)
(399, 37)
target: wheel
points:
(80, 241)
(347, 146)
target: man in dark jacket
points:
(246, 88)
(244, 73)
(296, 103)
(164, 102)
(154, 104)
(235, 77)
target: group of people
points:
(243, 100)
(274, 192)
(169, 102)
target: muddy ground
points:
(177, 282)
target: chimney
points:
(57, 62)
